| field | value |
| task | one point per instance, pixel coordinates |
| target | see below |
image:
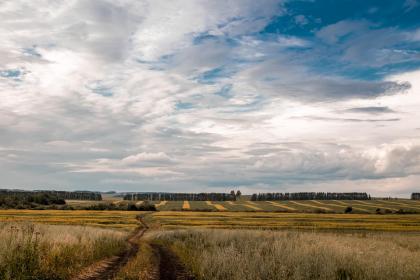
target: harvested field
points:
(107, 219)
(281, 221)
(295, 206)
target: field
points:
(254, 254)
(265, 244)
(287, 221)
(105, 219)
(297, 206)
(30, 251)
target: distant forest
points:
(78, 195)
(156, 196)
(310, 196)
(14, 199)
(415, 196)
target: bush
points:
(348, 210)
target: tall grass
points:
(242, 254)
(30, 251)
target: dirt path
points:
(106, 269)
(170, 267)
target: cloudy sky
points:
(194, 95)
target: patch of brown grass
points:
(30, 251)
(249, 255)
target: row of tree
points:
(157, 196)
(79, 195)
(310, 196)
(415, 196)
(29, 200)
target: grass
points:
(261, 244)
(30, 251)
(282, 221)
(142, 266)
(245, 254)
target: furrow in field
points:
(403, 205)
(282, 206)
(349, 204)
(375, 205)
(251, 205)
(309, 205)
(322, 205)
(217, 206)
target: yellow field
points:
(307, 221)
(110, 219)
(186, 205)
(217, 206)
(223, 219)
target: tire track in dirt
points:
(170, 266)
(108, 268)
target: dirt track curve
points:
(170, 268)
(106, 269)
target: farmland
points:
(324, 245)
(294, 206)
(105, 219)
(286, 221)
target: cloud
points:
(410, 5)
(351, 41)
(145, 158)
(371, 110)
(198, 95)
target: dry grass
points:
(253, 255)
(306, 221)
(30, 251)
(106, 219)
(144, 266)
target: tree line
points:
(29, 200)
(160, 196)
(415, 196)
(79, 195)
(310, 196)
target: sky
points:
(193, 95)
